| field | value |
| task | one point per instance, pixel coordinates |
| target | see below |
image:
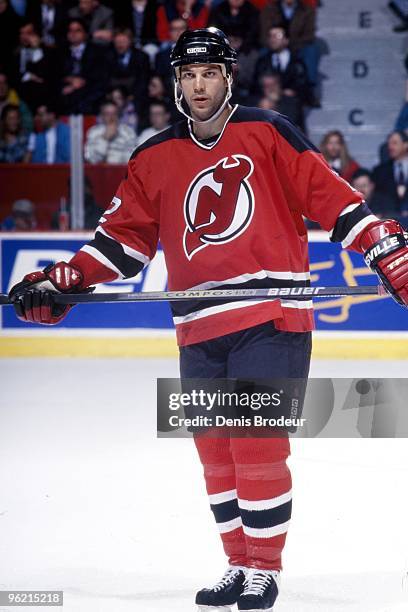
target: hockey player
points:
(226, 190)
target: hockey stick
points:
(287, 293)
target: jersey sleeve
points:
(314, 190)
(127, 235)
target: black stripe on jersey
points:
(112, 250)
(345, 223)
(288, 130)
(181, 309)
(226, 511)
(262, 519)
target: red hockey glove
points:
(385, 248)
(33, 297)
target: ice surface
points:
(92, 503)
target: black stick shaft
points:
(287, 293)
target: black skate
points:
(224, 594)
(260, 590)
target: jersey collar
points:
(212, 145)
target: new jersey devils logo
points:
(219, 204)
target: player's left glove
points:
(385, 248)
(33, 296)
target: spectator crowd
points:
(110, 61)
(385, 188)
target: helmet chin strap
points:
(178, 97)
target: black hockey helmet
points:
(203, 46)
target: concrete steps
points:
(377, 97)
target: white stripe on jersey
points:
(265, 504)
(349, 209)
(302, 304)
(211, 310)
(267, 532)
(102, 259)
(356, 229)
(127, 249)
(225, 496)
(288, 275)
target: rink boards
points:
(362, 326)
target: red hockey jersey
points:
(228, 215)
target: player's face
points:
(203, 88)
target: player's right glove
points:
(33, 296)
(385, 248)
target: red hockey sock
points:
(219, 474)
(264, 486)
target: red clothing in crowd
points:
(197, 19)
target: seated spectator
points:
(194, 12)
(10, 96)
(156, 92)
(49, 19)
(130, 66)
(159, 117)
(362, 181)
(111, 142)
(126, 108)
(84, 72)
(294, 16)
(13, 139)
(140, 17)
(244, 69)
(33, 68)
(21, 219)
(240, 16)
(273, 98)
(280, 60)
(391, 177)
(300, 22)
(52, 144)
(156, 88)
(334, 149)
(162, 61)
(97, 18)
(10, 24)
